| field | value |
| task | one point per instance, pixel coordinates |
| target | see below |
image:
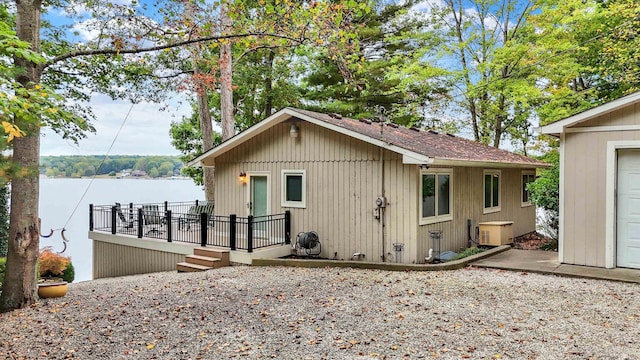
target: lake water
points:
(58, 198)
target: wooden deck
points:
(216, 236)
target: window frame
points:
(522, 189)
(283, 189)
(492, 208)
(436, 218)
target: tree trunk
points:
(204, 113)
(226, 78)
(206, 128)
(19, 287)
(471, 99)
(499, 120)
(268, 86)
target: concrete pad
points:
(618, 274)
(546, 262)
(522, 260)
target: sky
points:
(145, 131)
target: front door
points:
(259, 190)
(628, 209)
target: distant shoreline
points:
(42, 176)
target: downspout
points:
(382, 209)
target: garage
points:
(628, 209)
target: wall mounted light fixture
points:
(242, 177)
(294, 130)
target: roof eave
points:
(487, 164)
(558, 127)
(242, 137)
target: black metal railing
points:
(191, 222)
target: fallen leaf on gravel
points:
(150, 346)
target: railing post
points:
(131, 214)
(203, 229)
(113, 219)
(232, 231)
(287, 227)
(166, 205)
(90, 217)
(168, 217)
(140, 223)
(250, 233)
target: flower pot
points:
(52, 289)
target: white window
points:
(491, 191)
(527, 178)
(436, 195)
(294, 184)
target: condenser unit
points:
(495, 233)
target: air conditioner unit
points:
(496, 233)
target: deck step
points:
(221, 254)
(204, 261)
(187, 267)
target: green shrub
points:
(545, 194)
(468, 252)
(68, 274)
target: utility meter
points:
(381, 201)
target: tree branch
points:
(80, 53)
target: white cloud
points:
(426, 6)
(87, 30)
(146, 131)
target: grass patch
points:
(468, 252)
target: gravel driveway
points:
(295, 313)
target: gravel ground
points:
(293, 313)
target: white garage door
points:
(628, 212)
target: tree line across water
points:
(96, 165)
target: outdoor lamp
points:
(242, 177)
(294, 131)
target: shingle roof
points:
(425, 142)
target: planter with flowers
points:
(56, 270)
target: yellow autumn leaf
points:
(12, 130)
(150, 346)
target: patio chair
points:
(128, 222)
(153, 218)
(193, 215)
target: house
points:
(371, 191)
(138, 173)
(600, 185)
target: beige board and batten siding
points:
(343, 180)
(585, 191)
(117, 255)
(468, 203)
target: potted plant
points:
(55, 272)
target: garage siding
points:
(584, 192)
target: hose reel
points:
(308, 243)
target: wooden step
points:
(221, 254)
(187, 267)
(204, 261)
